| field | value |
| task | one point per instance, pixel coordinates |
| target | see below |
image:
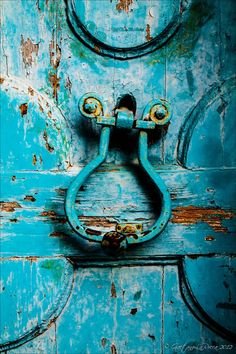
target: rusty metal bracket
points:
(157, 113)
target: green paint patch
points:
(184, 41)
(55, 267)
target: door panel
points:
(59, 292)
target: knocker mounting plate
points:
(157, 113)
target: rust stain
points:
(209, 238)
(32, 259)
(55, 54)
(27, 258)
(191, 215)
(113, 349)
(93, 232)
(53, 216)
(31, 91)
(29, 198)
(28, 49)
(49, 213)
(97, 49)
(23, 109)
(40, 107)
(9, 207)
(124, 5)
(48, 147)
(34, 160)
(97, 221)
(55, 83)
(148, 33)
(1, 80)
(113, 290)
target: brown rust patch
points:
(113, 349)
(30, 91)
(40, 108)
(49, 213)
(124, 5)
(93, 232)
(23, 109)
(97, 221)
(34, 160)
(113, 290)
(1, 80)
(148, 33)
(191, 215)
(32, 258)
(48, 146)
(28, 50)
(55, 83)
(209, 238)
(55, 54)
(97, 49)
(9, 207)
(29, 198)
(53, 216)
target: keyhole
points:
(127, 101)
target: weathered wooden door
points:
(61, 293)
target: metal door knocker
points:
(156, 113)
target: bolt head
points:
(160, 112)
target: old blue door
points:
(61, 292)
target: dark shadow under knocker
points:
(156, 113)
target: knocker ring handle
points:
(157, 112)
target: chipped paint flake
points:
(9, 207)
(148, 33)
(113, 349)
(55, 54)
(23, 109)
(29, 198)
(48, 146)
(191, 215)
(29, 50)
(55, 83)
(113, 290)
(124, 5)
